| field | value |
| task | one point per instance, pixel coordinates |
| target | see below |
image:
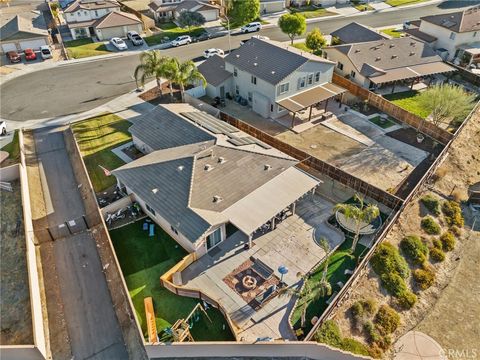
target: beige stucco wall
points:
(86, 15)
(337, 56)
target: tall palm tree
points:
(185, 73)
(326, 247)
(152, 64)
(360, 214)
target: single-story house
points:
(199, 182)
(387, 62)
(20, 32)
(354, 32)
(163, 10)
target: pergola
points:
(309, 98)
(411, 73)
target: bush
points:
(407, 300)
(357, 309)
(384, 342)
(453, 213)
(432, 203)
(370, 306)
(375, 351)
(387, 259)
(448, 241)
(456, 230)
(329, 333)
(394, 284)
(372, 333)
(437, 244)
(424, 277)
(414, 249)
(387, 320)
(430, 226)
(437, 255)
(354, 346)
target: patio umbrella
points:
(283, 270)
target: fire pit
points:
(249, 282)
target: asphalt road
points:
(92, 324)
(75, 88)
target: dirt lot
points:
(449, 310)
(15, 315)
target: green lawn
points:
(408, 100)
(96, 137)
(301, 46)
(403, 2)
(13, 150)
(383, 124)
(82, 48)
(143, 260)
(312, 12)
(172, 31)
(363, 7)
(393, 32)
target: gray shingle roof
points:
(356, 33)
(19, 28)
(163, 129)
(213, 69)
(460, 21)
(269, 60)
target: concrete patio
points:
(292, 244)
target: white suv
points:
(45, 52)
(211, 52)
(251, 27)
(182, 40)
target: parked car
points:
(251, 27)
(45, 52)
(30, 54)
(202, 37)
(213, 51)
(13, 57)
(118, 43)
(135, 38)
(3, 127)
(261, 37)
(182, 40)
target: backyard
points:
(408, 100)
(171, 31)
(13, 150)
(384, 123)
(82, 48)
(96, 138)
(311, 12)
(143, 260)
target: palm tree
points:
(326, 247)
(152, 64)
(184, 74)
(360, 214)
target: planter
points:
(420, 138)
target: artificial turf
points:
(377, 120)
(143, 260)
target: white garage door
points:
(9, 47)
(32, 44)
(210, 15)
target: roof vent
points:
(394, 56)
(267, 167)
(221, 160)
(217, 198)
(273, 72)
(412, 43)
(237, 56)
(155, 190)
(180, 168)
(255, 64)
(391, 46)
(357, 50)
(412, 53)
(378, 58)
(208, 167)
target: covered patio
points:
(315, 98)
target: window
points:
(317, 76)
(452, 36)
(340, 66)
(271, 107)
(96, 13)
(173, 229)
(475, 34)
(253, 80)
(250, 96)
(301, 82)
(283, 88)
(352, 74)
(214, 238)
(237, 90)
(235, 72)
(150, 210)
(310, 79)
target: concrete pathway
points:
(415, 345)
(379, 5)
(344, 10)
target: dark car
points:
(202, 37)
(13, 57)
(30, 54)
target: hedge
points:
(387, 259)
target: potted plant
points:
(420, 137)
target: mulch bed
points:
(156, 96)
(409, 136)
(234, 282)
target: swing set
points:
(180, 331)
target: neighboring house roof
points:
(20, 28)
(213, 70)
(357, 33)
(416, 33)
(117, 18)
(193, 5)
(91, 5)
(163, 129)
(460, 21)
(268, 60)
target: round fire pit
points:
(249, 282)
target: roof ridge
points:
(255, 152)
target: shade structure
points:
(411, 72)
(365, 228)
(310, 97)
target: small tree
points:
(244, 11)
(315, 41)
(446, 103)
(360, 214)
(293, 25)
(189, 19)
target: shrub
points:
(424, 277)
(437, 244)
(394, 284)
(354, 346)
(456, 230)
(430, 226)
(437, 255)
(387, 320)
(414, 249)
(448, 241)
(372, 333)
(453, 213)
(370, 306)
(375, 351)
(432, 203)
(357, 309)
(384, 342)
(387, 259)
(407, 300)
(329, 333)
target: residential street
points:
(75, 88)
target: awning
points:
(411, 72)
(310, 97)
(261, 205)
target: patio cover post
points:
(413, 83)
(250, 241)
(393, 87)
(293, 208)
(310, 113)
(293, 119)
(273, 223)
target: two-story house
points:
(273, 78)
(454, 31)
(164, 10)
(100, 18)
